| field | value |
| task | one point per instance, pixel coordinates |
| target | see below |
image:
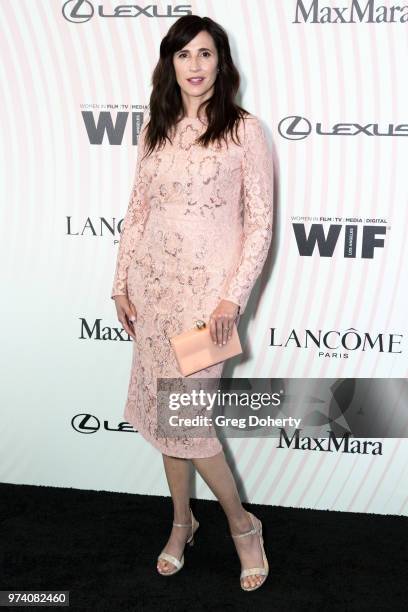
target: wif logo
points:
(114, 130)
(371, 237)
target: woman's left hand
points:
(222, 320)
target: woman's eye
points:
(206, 53)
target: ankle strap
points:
(185, 524)
(247, 533)
(253, 531)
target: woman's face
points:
(198, 60)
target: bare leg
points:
(216, 472)
(178, 473)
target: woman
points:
(194, 240)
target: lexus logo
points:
(85, 423)
(80, 11)
(296, 127)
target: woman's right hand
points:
(126, 313)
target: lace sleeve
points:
(257, 173)
(133, 223)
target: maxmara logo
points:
(336, 343)
(330, 444)
(354, 12)
(97, 331)
(80, 11)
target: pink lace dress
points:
(197, 230)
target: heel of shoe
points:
(190, 541)
(179, 563)
(262, 571)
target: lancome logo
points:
(296, 127)
(330, 444)
(355, 12)
(99, 226)
(80, 11)
(336, 344)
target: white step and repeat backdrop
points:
(327, 81)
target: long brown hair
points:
(222, 113)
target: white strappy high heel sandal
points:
(253, 571)
(179, 562)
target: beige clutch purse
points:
(195, 350)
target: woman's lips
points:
(196, 80)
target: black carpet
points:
(102, 547)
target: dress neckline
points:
(191, 119)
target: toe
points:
(252, 581)
(165, 567)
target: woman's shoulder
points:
(250, 119)
(250, 116)
(251, 126)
